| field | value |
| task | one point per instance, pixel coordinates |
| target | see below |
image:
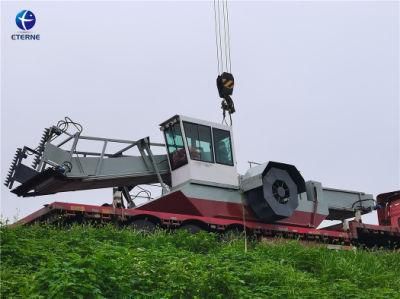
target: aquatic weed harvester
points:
(201, 188)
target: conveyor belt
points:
(51, 181)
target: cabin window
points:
(176, 149)
(222, 147)
(199, 142)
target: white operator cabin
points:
(200, 152)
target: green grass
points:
(87, 262)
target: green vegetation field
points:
(87, 262)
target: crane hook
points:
(225, 84)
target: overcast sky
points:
(317, 83)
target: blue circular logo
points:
(25, 20)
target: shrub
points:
(88, 262)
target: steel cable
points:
(225, 37)
(219, 35)
(229, 36)
(216, 37)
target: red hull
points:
(178, 203)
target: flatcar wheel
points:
(232, 233)
(191, 228)
(143, 225)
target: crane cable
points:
(227, 45)
(218, 46)
(222, 36)
(225, 80)
(228, 36)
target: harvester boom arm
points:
(57, 168)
